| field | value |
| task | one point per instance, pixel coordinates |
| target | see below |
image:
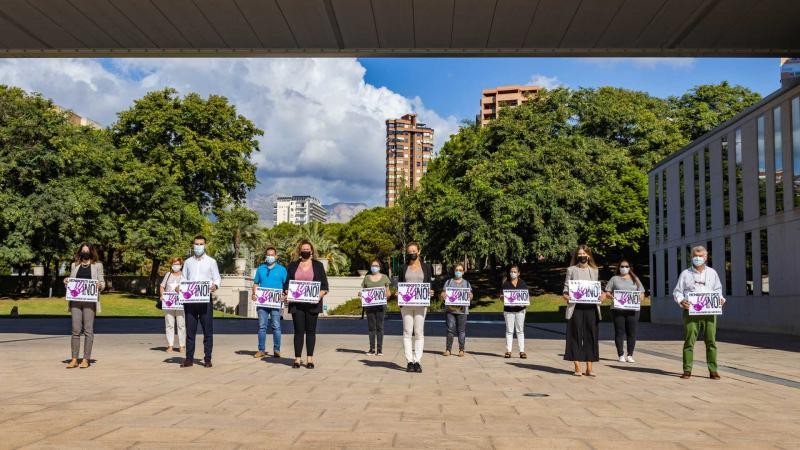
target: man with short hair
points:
(200, 267)
(698, 278)
(270, 274)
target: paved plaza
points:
(137, 396)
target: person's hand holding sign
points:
(213, 287)
(685, 304)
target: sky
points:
(324, 118)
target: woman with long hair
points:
(515, 315)
(86, 265)
(624, 320)
(174, 317)
(414, 271)
(304, 315)
(376, 313)
(582, 319)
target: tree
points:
(705, 107)
(235, 225)
(371, 234)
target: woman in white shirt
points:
(170, 283)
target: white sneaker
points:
(622, 358)
(630, 359)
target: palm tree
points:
(325, 247)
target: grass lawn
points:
(543, 308)
(113, 305)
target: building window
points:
(796, 150)
(726, 200)
(739, 176)
(777, 143)
(666, 273)
(762, 168)
(728, 266)
(653, 275)
(682, 199)
(707, 188)
(748, 261)
(657, 197)
(664, 208)
(764, 262)
(696, 182)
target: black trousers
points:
(625, 323)
(582, 330)
(375, 318)
(305, 327)
(203, 314)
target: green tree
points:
(705, 107)
(371, 233)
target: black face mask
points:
(305, 255)
(410, 257)
(85, 256)
(583, 259)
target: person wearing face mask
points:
(304, 315)
(456, 316)
(624, 321)
(583, 344)
(85, 266)
(698, 278)
(270, 274)
(515, 315)
(200, 267)
(375, 314)
(414, 271)
(170, 283)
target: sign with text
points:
(704, 303)
(628, 300)
(456, 296)
(269, 298)
(304, 291)
(516, 297)
(171, 301)
(373, 296)
(414, 294)
(82, 290)
(583, 291)
(195, 291)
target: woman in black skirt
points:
(582, 319)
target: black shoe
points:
(309, 365)
(411, 367)
(296, 365)
(207, 363)
(417, 368)
(187, 363)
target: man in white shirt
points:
(200, 267)
(698, 278)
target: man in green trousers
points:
(698, 278)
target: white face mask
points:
(624, 270)
(176, 267)
(698, 261)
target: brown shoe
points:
(713, 375)
(461, 353)
(507, 355)
(686, 375)
(446, 353)
(187, 363)
(260, 354)
(72, 364)
(523, 355)
(84, 363)
(276, 354)
(207, 363)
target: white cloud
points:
(324, 125)
(674, 63)
(545, 81)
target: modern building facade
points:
(493, 100)
(409, 149)
(735, 190)
(299, 210)
(78, 120)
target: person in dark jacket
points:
(304, 315)
(414, 271)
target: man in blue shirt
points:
(271, 275)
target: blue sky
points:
(451, 86)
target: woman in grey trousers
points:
(84, 266)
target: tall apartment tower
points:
(299, 210)
(492, 100)
(409, 148)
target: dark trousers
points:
(625, 323)
(582, 342)
(203, 314)
(375, 318)
(305, 326)
(456, 326)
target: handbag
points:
(159, 305)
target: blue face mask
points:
(270, 260)
(375, 269)
(698, 260)
(199, 250)
(459, 274)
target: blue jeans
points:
(269, 318)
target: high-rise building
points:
(78, 120)
(299, 210)
(409, 148)
(492, 100)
